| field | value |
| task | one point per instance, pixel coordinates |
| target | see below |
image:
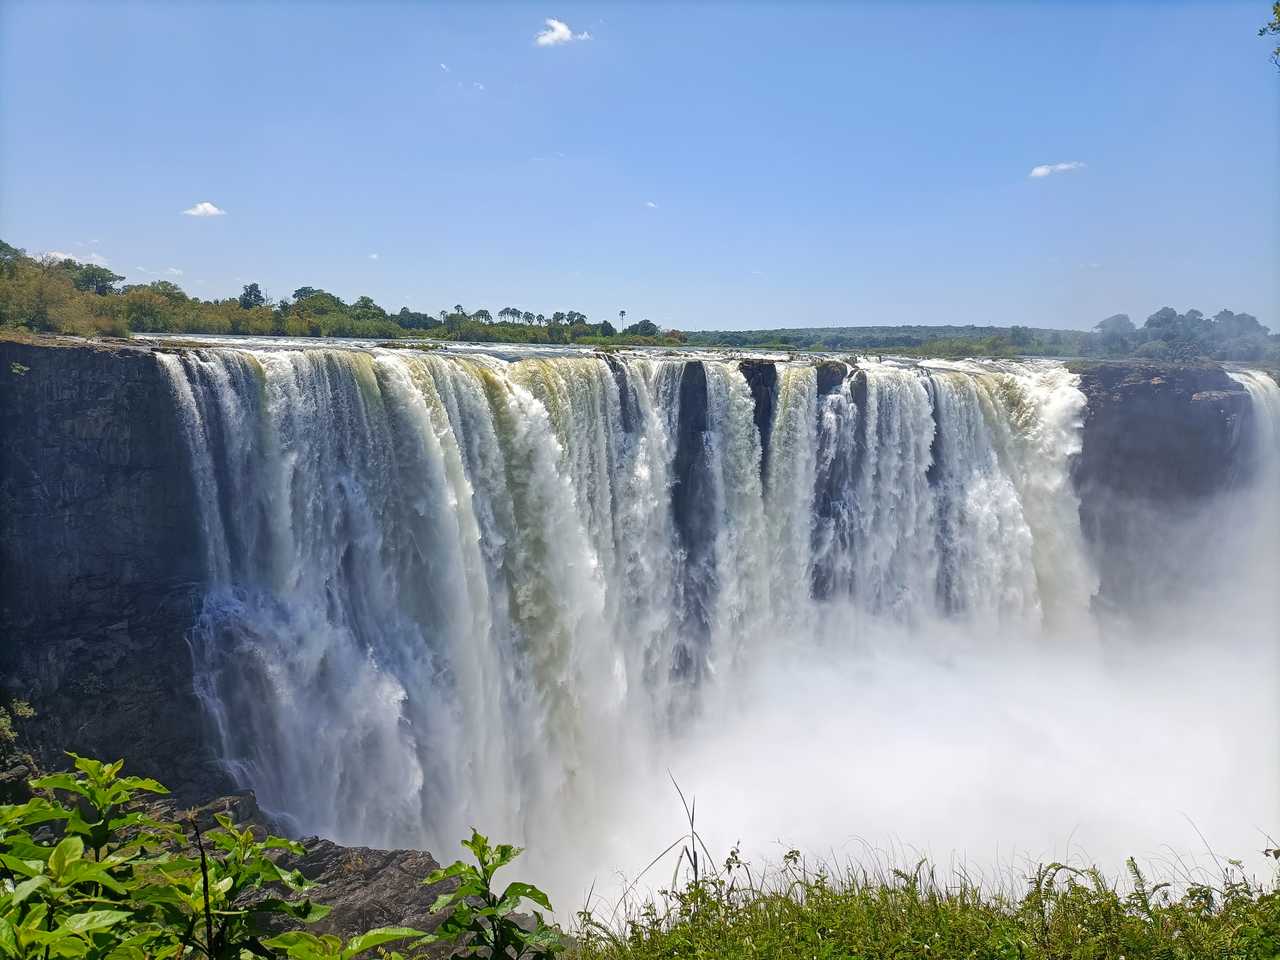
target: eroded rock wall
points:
(100, 558)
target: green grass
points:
(1061, 913)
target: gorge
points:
(398, 592)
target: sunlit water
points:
(459, 587)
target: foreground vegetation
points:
(88, 868)
(84, 299)
(1063, 914)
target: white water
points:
(455, 590)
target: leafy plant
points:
(485, 921)
(86, 871)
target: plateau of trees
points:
(63, 295)
(1166, 335)
(70, 297)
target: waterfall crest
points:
(455, 589)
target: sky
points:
(704, 165)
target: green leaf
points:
(455, 869)
(27, 868)
(304, 910)
(144, 783)
(58, 781)
(94, 920)
(8, 938)
(28, 887)
(279, 843)
(525, 891)
(67, 852)
(376, 937)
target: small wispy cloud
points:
(444, 67)
(1045, 169)
(173, 272)
(478, 85)
(373, 256)
(166, 272)
(558, 32)
(96, 259)
(651, 205)
(205, 209)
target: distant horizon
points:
(768, 167)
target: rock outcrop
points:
(102, 560)
(1160, 442)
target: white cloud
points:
(444, 67)
(651, 205)
(373, 256)
(479, 86)
(96, 259)
(1044, 169)
(204, 209)
(558, 32)
(173, 272)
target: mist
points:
(532, 595)
(1147, 729)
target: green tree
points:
(1118, 323)
(9, 258)
(251, 297)
(92, 278)
(1273, 27)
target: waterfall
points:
(453, 588)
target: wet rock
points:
(1160, 441)
(101, 558)
(693, 506)
(831, 374)
(762, 378)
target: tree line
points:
(63, 295)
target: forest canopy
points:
(66, 296)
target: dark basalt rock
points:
(692, 504)
(762, 378)
(831, 374)
(102, 560)
(1160, 431)
(1160, 441)
(364, 887)
(626, 399)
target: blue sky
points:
(705, 165)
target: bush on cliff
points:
(87, 870)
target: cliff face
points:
(1160, 442)
(102, 562)
(101, 559)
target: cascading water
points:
(451, 588)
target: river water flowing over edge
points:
(456, 589)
